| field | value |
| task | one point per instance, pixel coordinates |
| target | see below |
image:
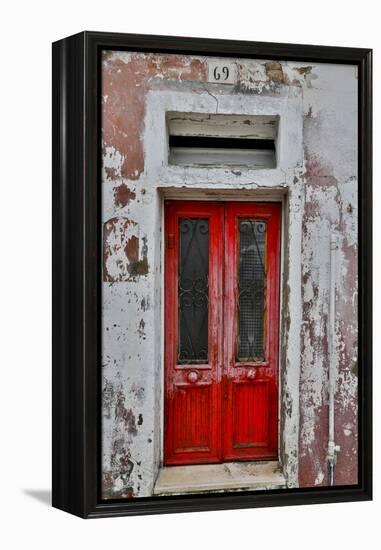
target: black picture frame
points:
(77, 273)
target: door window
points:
(251, 290)
(193, 290)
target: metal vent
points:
(222, 140)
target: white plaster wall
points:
(330, 141)
(316, 116)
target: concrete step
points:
(229, 476)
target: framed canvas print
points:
(212, 274)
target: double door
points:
(221, 331)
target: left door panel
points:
(193, 331)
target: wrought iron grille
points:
(193, 290)
(251, 290)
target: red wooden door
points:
(221, 331)
(193, 331)
(251, 327)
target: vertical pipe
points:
(332, 448)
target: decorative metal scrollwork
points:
(193, 290)
(251, 290)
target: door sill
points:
(229, 476)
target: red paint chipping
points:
(124, 89)
(123, 195)
(116, 239)
(132, 249)
(313, 453)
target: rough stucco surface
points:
(329, 135)
(321, 187)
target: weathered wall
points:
(317, 106)
(330, 144)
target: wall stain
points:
(123, 195)
(307, 74)
(132, 249)
(108, 396)
(145, 304)
(140, 267)
(274, 71)
(121, 261)
(324, 209)
(125, 415)
(111, 172)
(141, 330)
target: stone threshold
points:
(229, 476)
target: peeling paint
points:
(122, 259)
(274, 71)
(123, 112)
(316, 172)
(123, 195)
(307, 74)
(139, 267)
(327, 208)
(125, 415)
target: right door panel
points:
(251, 331)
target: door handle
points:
(192, 376)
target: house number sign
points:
(221, 72)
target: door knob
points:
(193, 376)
